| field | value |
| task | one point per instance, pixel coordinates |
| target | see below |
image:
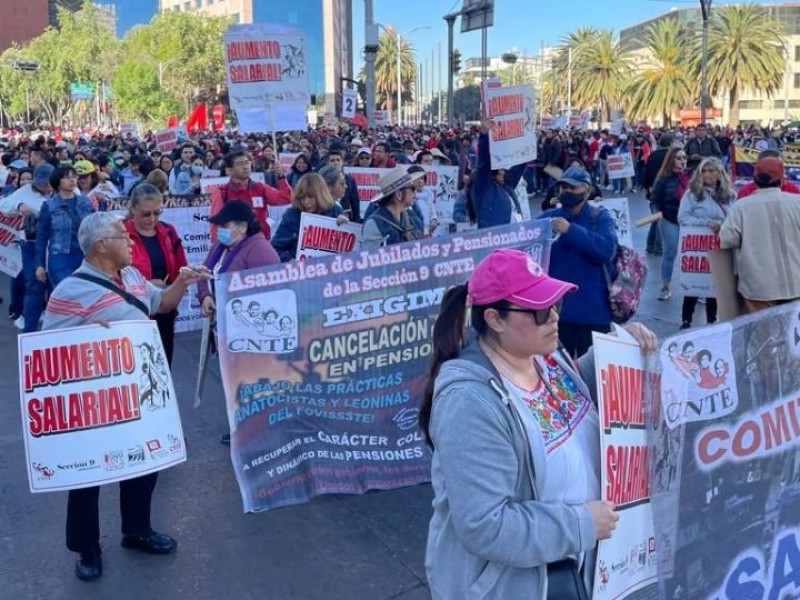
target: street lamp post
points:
(705, 7)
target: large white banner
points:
(322, 236)
(626, 563)
(512, 140)
(10, 252)
(98, 405)
(695, 277)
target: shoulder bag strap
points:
(127, 296)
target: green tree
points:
(386, 70)
(663, 85)
(745, 52)
(81, 49)
(601, 69)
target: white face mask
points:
(197, 170)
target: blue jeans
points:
(61, 266)
(33, 305)
(670, 234)
(619, 185)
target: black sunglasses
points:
(540, 315)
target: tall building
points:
(326, 24)
(23, 20)
(754, 107)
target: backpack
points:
(626, 282)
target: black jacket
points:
(654, 166)
(667, 194)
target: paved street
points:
(336, 547)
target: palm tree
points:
(600, 73)
(386, 69)
(663, 86)
(745, 52)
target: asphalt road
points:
(367, 547)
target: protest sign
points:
(10, 252)
(694, 269)
(726, 512)
(559, 122)
(442, 181)
(546, 122)
(620, 211)
(266, 65)
(620, 166)
(168, 139)
(616, 127)
(743, 162)
(381, 117)
(323, 363)
(486, 84)
(98, 405)
(129, 128)
(349, 102)
(626, 563)
(322, 236)
(512, 139)
(286, 160)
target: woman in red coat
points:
(157, 251)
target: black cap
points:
(233, 211)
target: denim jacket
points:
(55, 233)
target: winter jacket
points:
(350, 202)
(254, 251)
(699, 213)
(382, 229)
(579, 256)
(667, 193)
(654, 166)
(488, 538)
(288, 233)
(493, 203)
(765, 229)
(704, 148)
(171, 247)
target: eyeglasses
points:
(151, 213)
(540, 315)
(241, 163)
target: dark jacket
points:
(667, 193)
(390, 230)
(578, 256)
(493, 203)
(350, 201)
(253, 252)
(288, 233)
(654, 166)
(705, 148)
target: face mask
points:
(197, 170)
(570, 199)
(225, 237)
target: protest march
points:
(524, 333)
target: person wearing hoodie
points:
(582, 253)
(492, 195)
(514, 432)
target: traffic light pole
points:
(451, 20)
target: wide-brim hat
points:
(396, 179)
(233, 211)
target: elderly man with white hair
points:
(103, 289)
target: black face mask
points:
(570, 199)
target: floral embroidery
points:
(557, 416)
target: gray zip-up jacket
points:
(488, 538)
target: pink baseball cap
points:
(515, 276)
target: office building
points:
(23, 20)
(326, 24)
(754, 107)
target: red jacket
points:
(751, 188)
(170, 244)
(259, 196)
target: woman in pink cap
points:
(515, 439)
